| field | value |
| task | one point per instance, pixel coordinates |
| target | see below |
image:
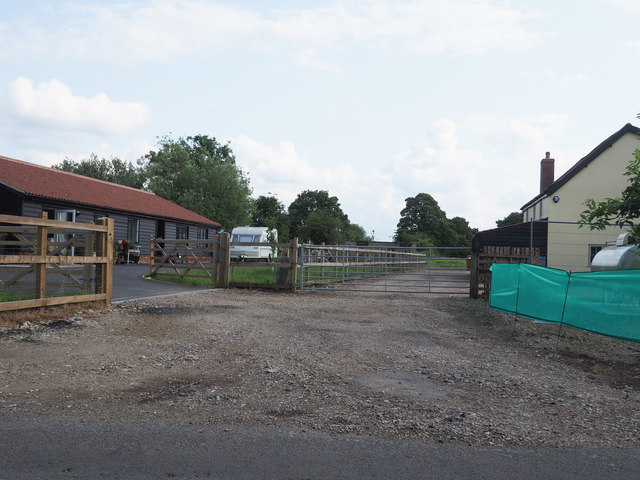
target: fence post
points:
(293, 263)
(104, 248)
(41, 269)
(474, 276)
(225, 260)
(152, 254)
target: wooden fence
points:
(186, 258)
(284, 267)
(211, 260)
(481, 262)
(50, 262)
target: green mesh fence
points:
(607, 303)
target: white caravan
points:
(252, 235)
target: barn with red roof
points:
(27, 189)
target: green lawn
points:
(265, 275)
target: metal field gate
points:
(442, 270)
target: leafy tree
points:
(113, 170)
(355, 232)
(322, 227)
(270, 212)
(423, 219)
(201, 175)
(511, 219)
(623, 211)
(464, 232)
(317, 201)
(316, 217)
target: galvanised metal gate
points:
(443, 270)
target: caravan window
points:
(246, 238)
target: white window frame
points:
(136, 237)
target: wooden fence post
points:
(474, 275)
(293, 263)
(225, 260)
(41, 269)
(152, 254)
(104, 248)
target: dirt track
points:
(435, 368)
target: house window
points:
(133, 232)
(540, 210)
(593, 249)
(182, 232)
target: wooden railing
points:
(283, 266)
(34, 250)
(186, 258)
(211, 260)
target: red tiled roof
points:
(44, 182)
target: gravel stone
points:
(425, 367)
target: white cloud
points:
(634, 45)
(452, 166)
(53, 104)
(625, 5)
(160, 30)
(368, 197)
(464, 165)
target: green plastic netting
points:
(607, 303)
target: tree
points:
(322, 227)
(329, 215)
(201, 175)
(270, 212)
(113, 170)
(623, 211)
(511, 219)
(422, 219)
(464, 232)
(355, 232)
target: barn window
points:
(133, 233)
(182, 232)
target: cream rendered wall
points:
(568, 245)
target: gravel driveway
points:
(429, 368)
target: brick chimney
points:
(546, 172)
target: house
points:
(555, 211)
(28, 190)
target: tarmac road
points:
(129, 284)
(55, 450)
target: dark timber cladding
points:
(518, 235)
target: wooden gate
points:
(50, 262)
(189, 258)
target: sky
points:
(374, 101)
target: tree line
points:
(201, 174)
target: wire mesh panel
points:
(442, 270)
